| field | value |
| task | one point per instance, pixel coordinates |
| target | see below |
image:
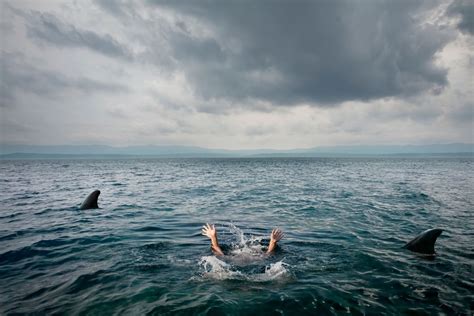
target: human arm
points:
(210, 231)
(275, 236)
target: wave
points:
(245, 261)
(217, 269)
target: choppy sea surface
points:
(345, 222)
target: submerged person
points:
(210, 231)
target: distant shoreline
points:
(168, 151)
(37, 156)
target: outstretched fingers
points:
(277, 234)
(209, 230)
(205, 230)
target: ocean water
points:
(345, 222)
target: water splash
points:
(244, 261)
(234, 230)
(217, 269)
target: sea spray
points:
(246, 247)
(217, 269)
(245, 260)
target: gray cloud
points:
(19, 77)
(226, 73)
(118, 8)
(463, 114)
(308, 51)
(464, 9)
(49, 28)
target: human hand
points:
(276, 235)
(209, 231)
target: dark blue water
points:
(345, 221)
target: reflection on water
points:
(345, 222)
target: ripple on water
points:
(345, 221)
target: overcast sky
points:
(236, 74)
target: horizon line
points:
(241, 149)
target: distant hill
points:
(64, 151)
(401, 149)
(104, 150)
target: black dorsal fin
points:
(91, 201)
(424, 242)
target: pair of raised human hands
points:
(209, 230)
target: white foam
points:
(276, 270)
(217, 269)
(246, 251)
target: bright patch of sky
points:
(236, 74)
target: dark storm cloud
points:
(49, 28)
(464, 9)
(325, 52)
(19, 77)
